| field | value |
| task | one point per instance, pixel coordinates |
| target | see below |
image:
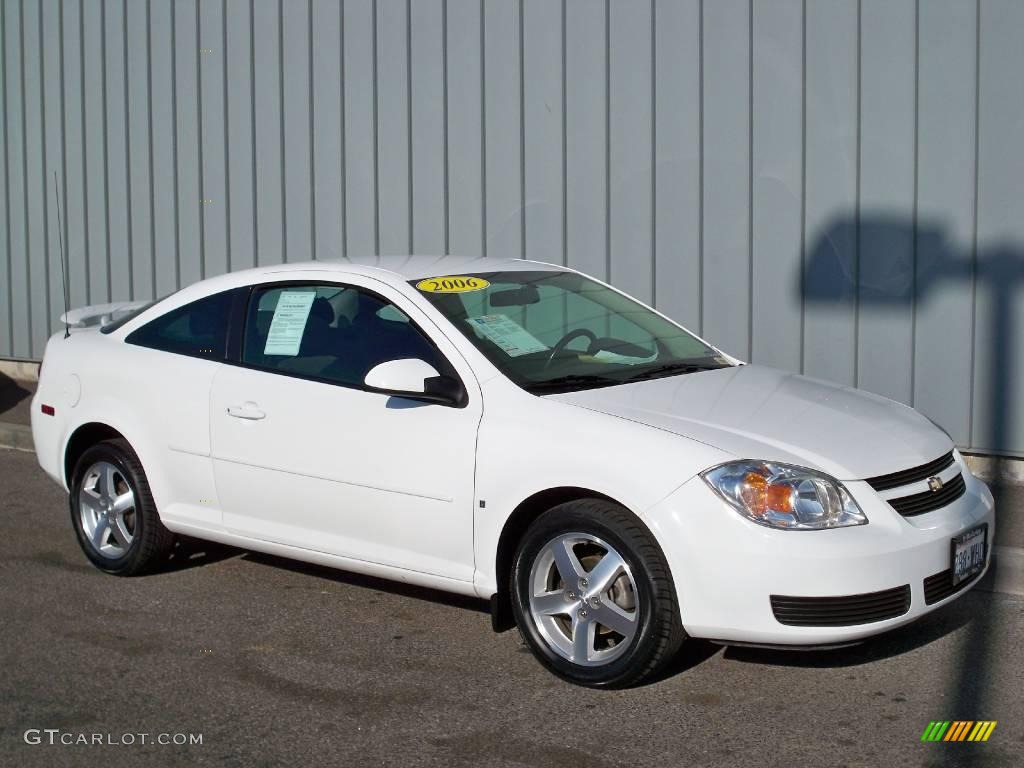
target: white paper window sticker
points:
(289, 323)
(607, 356)
(507, 334)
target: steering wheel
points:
(564, 342)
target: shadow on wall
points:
(893, 274)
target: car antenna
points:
(63, 271)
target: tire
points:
(119, 531)
(563, 622)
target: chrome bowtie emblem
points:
(935, 483)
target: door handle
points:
(248, 411)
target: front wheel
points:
(113, 512)
(593, 597)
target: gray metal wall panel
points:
(795, 180)
(464, 134)
(118, 204)
(188, 155)
(631, 194)
(503, 188)
(95, 151)
(586, 193)
(429, 196)
(945, 214)
(6, 307)
(164, 153)
(269, 111)
(73, 181)
(215, 175)
(998, 414)
(296, 130)
(241, 126)
(831, 118)
(35, 176)
(137, 151)
(887, 183)
(393, 98)
(543, 114)
(53, 157)
(726, 220)
(777, 178)
(19, 254)
(677, 160)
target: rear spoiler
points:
(99, 315)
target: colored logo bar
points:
(958, 730)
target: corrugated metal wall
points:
(830, 187)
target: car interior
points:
(347, 333)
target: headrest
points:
(322, 311)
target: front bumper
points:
(726, 568)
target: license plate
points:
(968, 554)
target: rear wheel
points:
(113, 512)
(593, 597)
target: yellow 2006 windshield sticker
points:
(452, 284)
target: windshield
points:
(560, 331)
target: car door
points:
(164, 374)
(305, 455)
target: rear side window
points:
(198, 329)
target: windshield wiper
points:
(570, 383)
(673, 368)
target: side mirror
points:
(415, 379)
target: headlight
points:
(784, 496)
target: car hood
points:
(758, 412)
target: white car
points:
(515, 431)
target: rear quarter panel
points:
(158, 401)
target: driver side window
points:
(331, 333)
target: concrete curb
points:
(1006, 574)
(20, 370)
(16, 436)
(999, 469)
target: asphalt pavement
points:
(271, 663)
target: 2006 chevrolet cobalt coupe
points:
(512, 430)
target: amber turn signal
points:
(760, 496)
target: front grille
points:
(841, 611)
(928, 501)
(940, 586)
(908, 476)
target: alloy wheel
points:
(106, 508)
(583, 599)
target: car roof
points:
(407, 267)
(390, 269)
